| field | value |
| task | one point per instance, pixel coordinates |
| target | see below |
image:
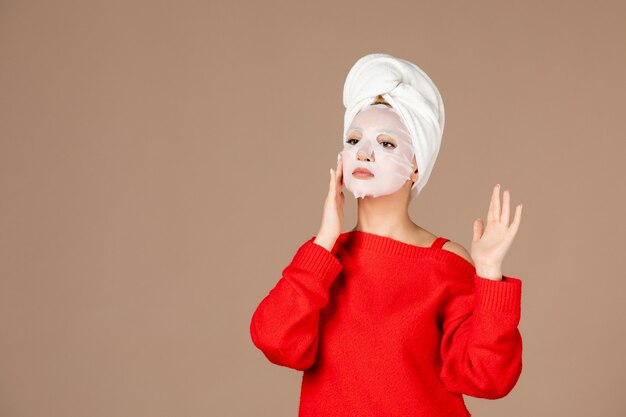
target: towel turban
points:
(408, 89)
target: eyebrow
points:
(385, 131)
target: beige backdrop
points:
(160, 163)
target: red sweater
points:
(385, 328)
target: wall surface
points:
(160, 163)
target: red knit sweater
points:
(385, 328)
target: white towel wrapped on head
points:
(408, 89)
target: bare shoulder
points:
(458, 249)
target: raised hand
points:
(491, 242)
(332, 218)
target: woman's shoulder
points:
(458, 249)
(461, 256)
(425, 238)
(421, 237)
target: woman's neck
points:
(385, 216)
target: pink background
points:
(160, 163)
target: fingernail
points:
(331, 171)
(338, 156)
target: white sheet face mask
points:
(377, 141)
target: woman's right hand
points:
(332, 219)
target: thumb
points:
(478, 230)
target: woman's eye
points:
(384, 143)
(350, 141)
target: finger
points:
(497, 209)
(477, 233)
(331, 187)
(506, 199)
(339, 172)
(512, 231)
(491, 215)
(518, 217)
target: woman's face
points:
(376, 141)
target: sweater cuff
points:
(503, 295)
(318, 261)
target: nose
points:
(365, 153)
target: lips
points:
(362, 171)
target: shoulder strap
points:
(438, 243)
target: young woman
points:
(389, 319)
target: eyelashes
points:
(383, 142)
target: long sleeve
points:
(481, 347)
(285, 324)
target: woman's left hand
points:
(490, 243)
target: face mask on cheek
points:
(377, 141)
